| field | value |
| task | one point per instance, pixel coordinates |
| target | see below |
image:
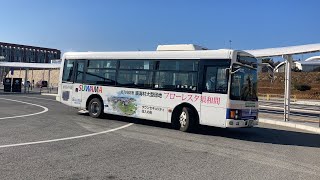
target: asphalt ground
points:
(47, 140)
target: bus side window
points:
(222, 81)
(216, 80)
(181, 81)
(211, 79)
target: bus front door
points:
(214, 97)
(77, 87)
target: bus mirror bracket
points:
(227, 72)
(234, 71)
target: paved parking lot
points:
(43, 139)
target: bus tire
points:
(186, 119)
(95, 108)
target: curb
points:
(48, 94)
(291, 125)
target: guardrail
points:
(269, 97)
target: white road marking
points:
(39, 98)
(67, 138)
(292, 109)
(45, 109)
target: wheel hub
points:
(95, 108)
(183, 119)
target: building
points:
(28, 54)
(308, 66)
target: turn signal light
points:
(235, 114)
(232, 114)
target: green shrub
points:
(302, 87)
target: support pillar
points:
(25, 80)
(287, 91)
(49, 77)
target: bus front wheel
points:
(95, 108)
(186, 119)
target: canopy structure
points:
(287, 53)
(28, 66)
(280, 51)
(313, 58)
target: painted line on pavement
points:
(45, 109)
(65, 139)
(39, 98)
(49, 94)
(291, 109)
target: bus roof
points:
(201, 54)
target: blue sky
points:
(122, 25)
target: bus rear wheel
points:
(186, 119)
(95, 108)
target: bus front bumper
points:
(231, 123)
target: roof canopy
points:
(290, 50)
(30, 65)
(313, 58)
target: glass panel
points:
(68, 70)
(135, 78)
(179, 65)
(80, 71)
(137, 64)
(216, 80)
(101, 76)
(176, 81)
(211, 79)
(222, 80)
(251, 61)
(102, 63)
(244, 84)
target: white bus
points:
(183, 87)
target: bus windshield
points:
(243, 83)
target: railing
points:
(269, 97)
(50, 88)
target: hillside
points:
(265, 86)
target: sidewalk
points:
(32, 91)
(308, 102)
(307, 126)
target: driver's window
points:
(211, 79)
(222, 80)
(216, 80)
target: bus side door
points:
(78, 80)
(214, 96)
(67, 86)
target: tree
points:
(268, 60)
